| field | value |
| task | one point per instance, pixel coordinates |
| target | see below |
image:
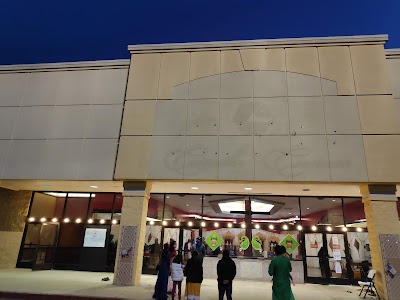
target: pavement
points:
(27, 284)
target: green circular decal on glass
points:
(256, 242)
(244, 242)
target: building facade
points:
(206, 137)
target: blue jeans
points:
(225, 288)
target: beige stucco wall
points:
(307, 113)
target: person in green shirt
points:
(280, 269)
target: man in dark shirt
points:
(226, 271)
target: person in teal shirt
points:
(280, 269)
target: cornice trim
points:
(88, 65)
(270, 43)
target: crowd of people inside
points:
(175, 265)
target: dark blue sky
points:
(59, 31)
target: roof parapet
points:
(269, 43)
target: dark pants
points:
(225, 288)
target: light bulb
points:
(257, 226)
(243, 225)
(329, 228)
(216, 224)
(102, 221)
(54, 220)
(164, 223)
(177, 223)
(285, 227)
(66, 220)
(190, 224)
(314, 228)
(115, 222)
(344, 228)
(271, 226)
(90, 221)
(359, 229)
(230, 225)
(203, 224)
(299, 227)
(43, 220)
(151, 222)
(78, 220)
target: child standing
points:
(177, 275)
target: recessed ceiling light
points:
(329, 228)
(195, 188)
(285, 227)
(248, 188)
(102, 221)
(90, 221)
(190, 224)
(151, 222)
(359, 229)
(344, 228)
(290, 213)
(314, 228)
(203, 224)
(257, 226)
(167, 197)
(187, 204)
(299, 227)
(94, 186)
(271, 226)
(243, 225)
(333, 200)
(115, 221)
(230, 225)
(308, 208)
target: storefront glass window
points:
(77, 206)
(47, 205)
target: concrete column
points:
(380, 206)
(129, 260)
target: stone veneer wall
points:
(14, 207)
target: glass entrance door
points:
(45, 248)
(328, 258)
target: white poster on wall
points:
(95, 237)
(338, 267)
(336, 249)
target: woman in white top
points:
(177, 275)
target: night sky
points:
(61, 31)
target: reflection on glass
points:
(152, 247)
(47, 206)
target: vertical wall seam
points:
(323, 108)
(122, 117)
(288, 111)
(187, 117)
(359, 115)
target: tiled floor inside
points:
(90, 284)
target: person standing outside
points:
(194, 276)
(177, 275)
(280, 269)
(160, 290)
(226, 271)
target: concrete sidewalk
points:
(89, 285)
